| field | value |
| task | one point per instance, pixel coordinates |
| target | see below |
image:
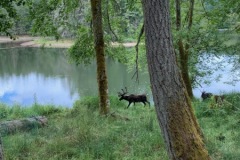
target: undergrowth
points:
(221, 126)
(80, 133)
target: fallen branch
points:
(9, 127)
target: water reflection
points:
(34, 87)
(46, 76)
(32, 74)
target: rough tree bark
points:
(179, 126)
(99, 49)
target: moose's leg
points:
(144, 103)
(148, 103)
(129, 104)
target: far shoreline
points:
(30, 41)
(47, 42)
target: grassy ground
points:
(221, 127)
(80, 133)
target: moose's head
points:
(123, 94)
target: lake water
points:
(45, 76)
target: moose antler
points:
(119, 94)
(126, 89)
(123, 92)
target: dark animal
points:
(206, 95)
(132, 98)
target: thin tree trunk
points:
(183, 53)
(99, 49)
(186, 76)
(174, 111)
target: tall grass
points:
(17, 111)
(221, 127)
(80, 133)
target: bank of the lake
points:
(80, 133)
(29, 41)
(47, 42)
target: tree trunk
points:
(9, 127)
(174, 111)
(99, 49)
(183, 52)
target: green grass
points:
(80, 133)
(221, 121)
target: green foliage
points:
(62, 18)
(23, 24)
(83, 49)
(4, 111)
(42, 13)
(50, 18)
(8, 13)
(92, 103)
(124, 17)
(209, 108)
(16, 111)
(46, 110)
(142, 60)
(118, 53)
(210, 34)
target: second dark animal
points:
(132, 98)
(206, 95)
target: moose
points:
(206, 95)
(132, 98)
(217, 98)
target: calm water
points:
(222, 77)
(45, 76)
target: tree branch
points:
(136, 47)
(109, 24)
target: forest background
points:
(208, 27)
